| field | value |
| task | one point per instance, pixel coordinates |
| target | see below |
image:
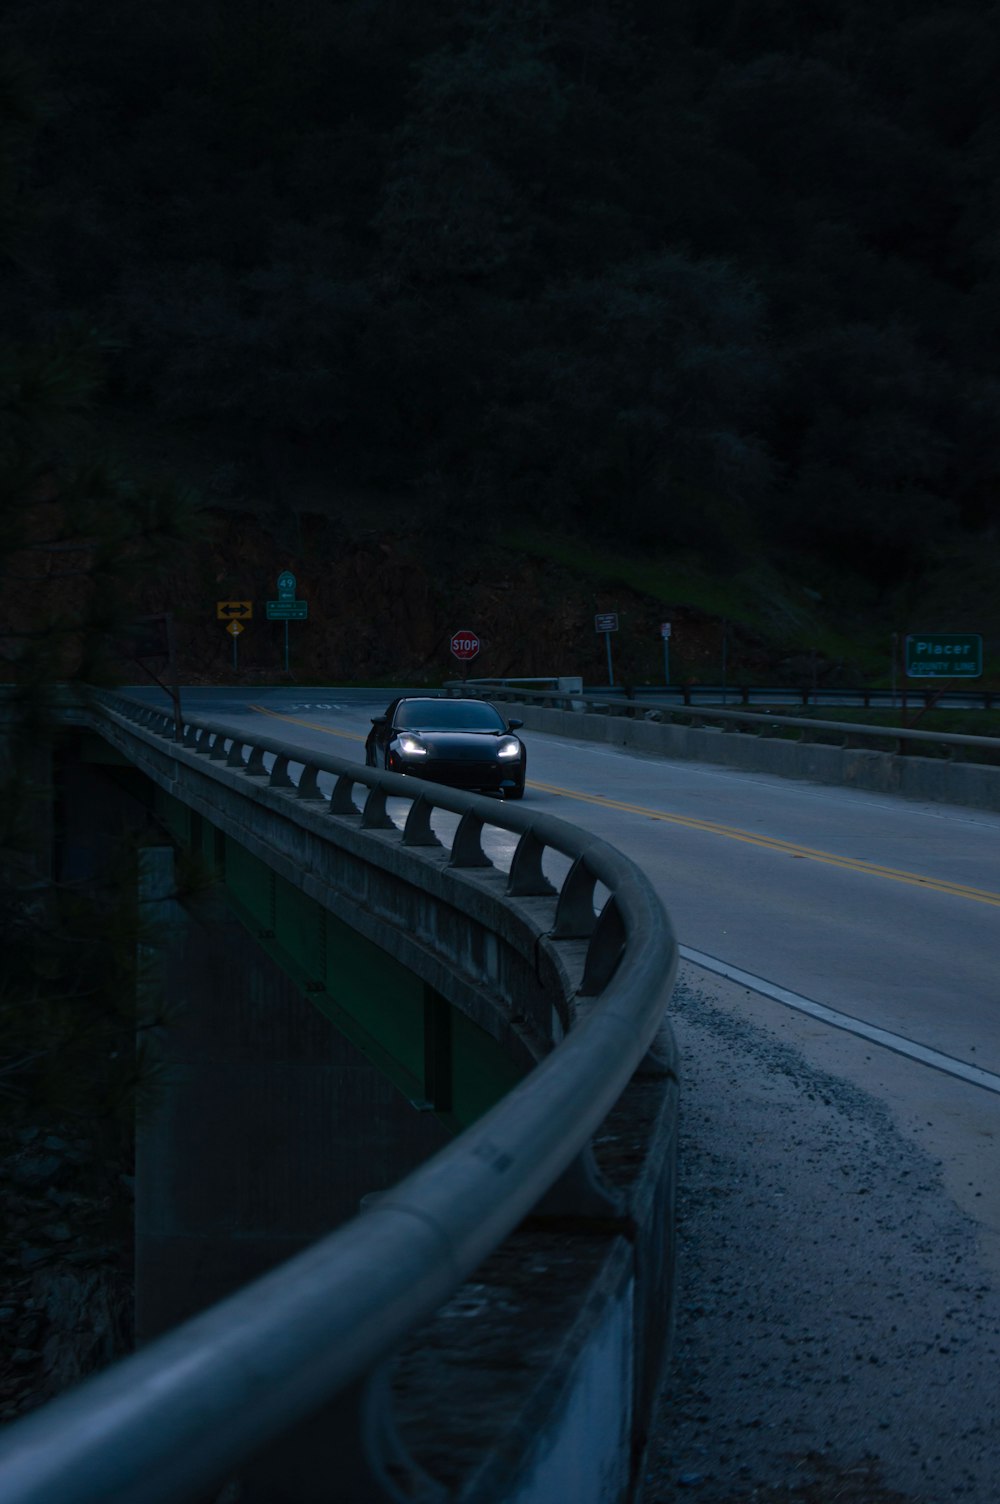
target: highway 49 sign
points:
(464, 645)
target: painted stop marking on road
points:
(464, 644)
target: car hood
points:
(445, 736)
(451, 742)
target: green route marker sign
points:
(944, 655)
(286, 607)
(288, 610)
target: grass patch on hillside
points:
(954, 722)
(678, 581)
(757, 597)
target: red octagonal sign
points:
(464, 644)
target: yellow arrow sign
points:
(235, 628)
(234, 610)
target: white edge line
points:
(973, 1074)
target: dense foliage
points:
(77, 532)
(703, 272)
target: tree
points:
(78, 536)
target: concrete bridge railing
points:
(568, 957)
(881, 759)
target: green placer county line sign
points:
(944, 655)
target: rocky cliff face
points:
(65, 1260)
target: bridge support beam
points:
(264, 1127)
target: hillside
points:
(387, 585)
(499, 317)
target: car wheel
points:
(514, 793)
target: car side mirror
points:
(514, 725)
(379, 720)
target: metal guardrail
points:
(180, 1415)
(690, 693)
(727, 720)
(947, 697)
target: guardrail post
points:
(341, 802)
(255, 763)
(417, 830)
(606, 948)
(575, 917)
(279, 774)
(308, 786)
(374, 815)
(526, 878)
(467, 843)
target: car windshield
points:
(448, 715)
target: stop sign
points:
(464, 644)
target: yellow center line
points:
(788, 848)
(352, 736)
(711, 827)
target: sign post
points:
(286, 608)
(234, 629)
(234, 613)
(725, 646)
(464, 646)
(665, 634)
(607, 622)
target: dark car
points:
(465, 743)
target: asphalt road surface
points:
(839, 1018)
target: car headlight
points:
(412, 747)
(510, 748)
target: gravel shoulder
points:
(838, 1328)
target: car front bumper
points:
(465, 774)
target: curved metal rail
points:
(185, 1411)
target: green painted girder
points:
(432, 1052)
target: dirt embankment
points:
(383, 607)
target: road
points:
(838, 1014)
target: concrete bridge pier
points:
(263, 1127)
